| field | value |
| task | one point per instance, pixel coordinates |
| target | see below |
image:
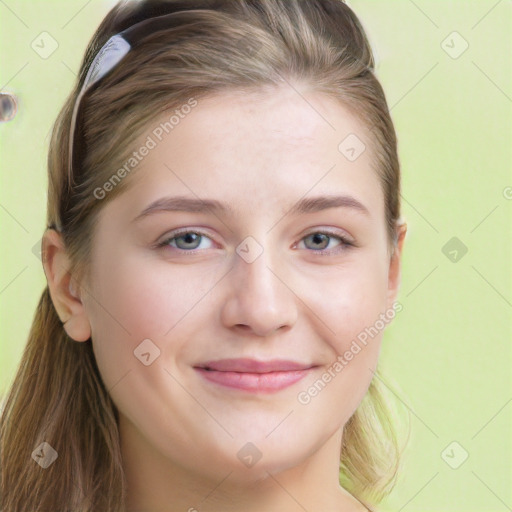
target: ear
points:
(63, 289)
(394, 273)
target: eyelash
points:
(344, 245)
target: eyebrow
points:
(306, 205)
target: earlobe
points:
(65, 297)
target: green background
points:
(448, 353)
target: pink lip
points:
(253, 375)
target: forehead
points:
(279, 115)
(263, 147)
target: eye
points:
(320, 242)
(186, 241)
(324, 242)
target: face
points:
(214, 327)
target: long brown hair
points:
(58, 396)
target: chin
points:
(252, 465)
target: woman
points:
(222, 257)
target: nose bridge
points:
(259, 298)
(258, 275)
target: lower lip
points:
(255, 382)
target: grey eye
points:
(319, 240)
(191, 240)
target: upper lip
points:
(246, 365)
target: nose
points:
(260, 300)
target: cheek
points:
(349, 299)
(146, 297)
(135, 300)
(350, 305)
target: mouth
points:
(252, 375)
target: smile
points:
(252, 375)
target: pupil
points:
(189, 238)
(319, 238)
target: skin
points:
(259, 153)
